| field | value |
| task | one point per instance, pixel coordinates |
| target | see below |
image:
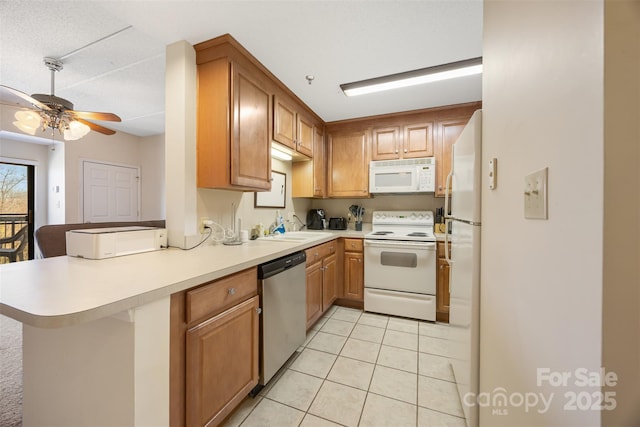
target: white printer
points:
(99, 243)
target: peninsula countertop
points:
(63, 291)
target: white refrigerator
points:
(464, 259)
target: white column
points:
(180, 144)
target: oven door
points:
(400, 266)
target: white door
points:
(110, 192)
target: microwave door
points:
(394, 181)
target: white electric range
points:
(400, 265)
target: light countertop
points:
(62, 291)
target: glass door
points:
(16, 212)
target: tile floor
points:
(361, 369)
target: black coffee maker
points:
(315, 219)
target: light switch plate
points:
(535, 195)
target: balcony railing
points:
(10, 226)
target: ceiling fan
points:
(41, 111)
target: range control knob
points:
(413, 217)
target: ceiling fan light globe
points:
(25, 129)
(27, 121)
(75, 130)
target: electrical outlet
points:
(202, 221)
(535, 195)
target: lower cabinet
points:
(442, 285)
(321, 273)
(214, 349)
(353, 270)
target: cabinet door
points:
(385, 143)
(221, 363)
(251, 124)
(442, 306)
(418, 140)
(329, 289)
(304, 139)
(348, 168)
(448, 133)
(319, 182)
(284, 123)
(354, 276)
(314, 292)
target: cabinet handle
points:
(441, 267)
(359, 260)
(396, 151)
(259, 310)
(231, 291)
(440, 187)
(405, 150)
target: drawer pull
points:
(232, 291)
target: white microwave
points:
(403, 176)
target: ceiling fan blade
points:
(97, 128)
(91, 115)
(14, 97)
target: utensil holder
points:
(358, 225)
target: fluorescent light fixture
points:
(451, 70)
(280, 154)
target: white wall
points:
(120, 149)
(541, 292)
(152, 181)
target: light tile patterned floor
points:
(361, 369)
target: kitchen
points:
(501, 250)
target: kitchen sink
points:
(296, 236)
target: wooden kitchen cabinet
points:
(448, 132)
(403, 141)
(234, 123)
(442, 285)
(222, 363)
(308, 177)
(321, 274)
(348, 163)
(214, 344)
(292, 128)
(353, 270)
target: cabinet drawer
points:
(353, 245)
(221, 294)
(316, 253)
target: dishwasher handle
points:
(276, 266)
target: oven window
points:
(399, 259)
(394, 179)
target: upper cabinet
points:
(348, 163)
(403, 141)
(242, 109)
(449, 129)
(233, 125)
(309, 176)
(292, 128)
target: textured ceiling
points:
(336, 41)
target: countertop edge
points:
(111, 308)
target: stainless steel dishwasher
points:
(283, 298)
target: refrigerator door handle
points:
(446, 214)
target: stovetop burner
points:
(417, 234)
(381, 233)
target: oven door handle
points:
(399, 244)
